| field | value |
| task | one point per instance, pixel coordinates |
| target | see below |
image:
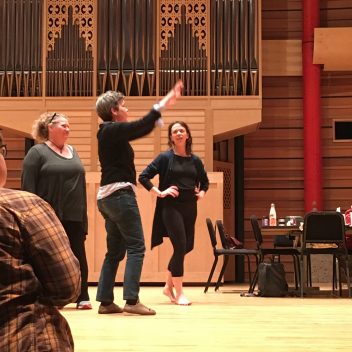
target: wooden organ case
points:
(59, 55)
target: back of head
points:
(107, 101)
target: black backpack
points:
(271, 280)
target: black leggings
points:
(75, 234)
(179, 219)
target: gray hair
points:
(40, 130)
(107, 101)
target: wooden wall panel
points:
(337, 156)
(288, 5)
(84, 124)
(281, 19)
(336, 85)
(198, 262)
(333, 48)
(287, 88)
(274, 163)
(81, 130)
(274, 154)
(208, 117)
(282, 57)
(335, 13)
(14, 158)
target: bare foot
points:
(167, 291)
(183, 301)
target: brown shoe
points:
(138, 308)
(110, 309)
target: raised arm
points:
(139, 128)
(170, 98)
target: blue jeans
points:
(124, 233)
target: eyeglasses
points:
(3, 150)
(52, 118)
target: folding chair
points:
(224, 251)
(294, 252)
(325, 228)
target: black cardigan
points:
(116, 155)
(162, 165)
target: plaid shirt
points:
(38, 271)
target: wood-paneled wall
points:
(198, 262)
(206, 117)
(15, 154)
(214, 110)
(274, 163)
(83, 127)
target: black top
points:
(116, 155)
(163, 165)
(184, 173)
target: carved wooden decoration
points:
(58, 16)
(196, 15)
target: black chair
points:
(288, 241)
(263, 252)
(224, 251)
(325, 228)
(283, 241)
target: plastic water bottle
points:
(272, 215)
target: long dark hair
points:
(189, 140)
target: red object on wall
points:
(311, 110)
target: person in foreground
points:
(38, 272)
(182, 181)
(53, 170)
(117, 201)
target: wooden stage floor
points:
(217, 321)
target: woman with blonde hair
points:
(53, 170)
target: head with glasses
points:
(110, 106)
(51, 125)
(3, 168)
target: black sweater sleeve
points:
(134, 129)
(151, 170)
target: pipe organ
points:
(58, 55)
(77, 48)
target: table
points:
(297, 233)
(280, 230)
(294, 230)
(283, 231)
